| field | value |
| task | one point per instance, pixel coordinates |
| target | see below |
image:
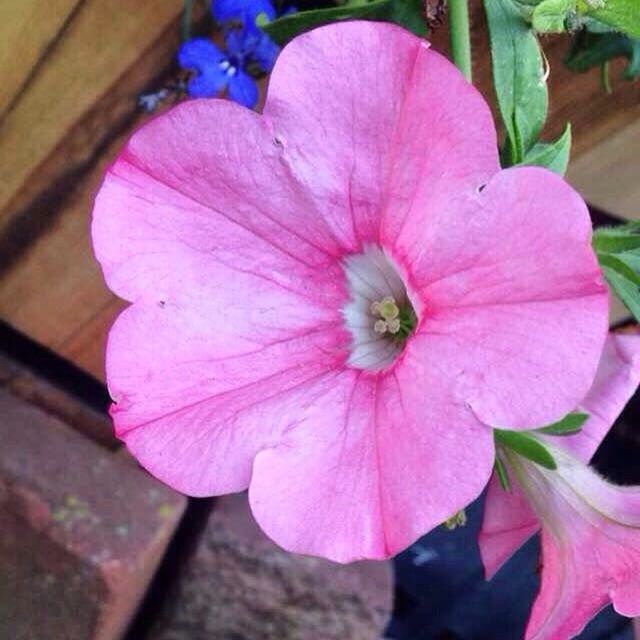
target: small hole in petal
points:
(481, 188)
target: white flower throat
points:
(379, 314)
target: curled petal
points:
(509, 519)
(589, 558)
(616, 381)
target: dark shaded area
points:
(49, 365)
(441, 593)
(181, 548)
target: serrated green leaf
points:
(623, 15)
(501, 474)
(283, 29)
(626, 290)
(518, 78)
(552, 155)
(617, 263)
(525, 445)
(550, 15)
(570, 424)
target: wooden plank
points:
(87, 85)
(609, 175)
(27, 29)
(55, 293)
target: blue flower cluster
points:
(246, 46)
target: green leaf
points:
(525, 445)
(623, 15)
(624, 237)
(407, 13)
(570, 424)
(410, 15)
(550, 15)
(589, 49)
(518, 78)
(552, 155)
(625, 289)
(618, 251)
(619, 264)
(501, 474)
(525, 8)
(283, 29)
(631, 259)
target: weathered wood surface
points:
(27, 29)
(84, 90)
(608, 175)
(78, 106)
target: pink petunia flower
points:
(590, 528)
(333, 299)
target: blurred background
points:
(90, 546)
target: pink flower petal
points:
(616, 381)
(590, 557)
(508, 522)
(205, 184)
(374, 119)
(213, 398)
(513, 297)
(375, 463)
(228, 232)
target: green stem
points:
(459, 36)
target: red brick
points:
(81, 530)
(239, 585)
(31, 387)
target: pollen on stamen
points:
(393, 326)
(379, 314)
(380, 326)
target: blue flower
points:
(216, 70)
(243, 11)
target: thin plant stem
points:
(460, 36)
